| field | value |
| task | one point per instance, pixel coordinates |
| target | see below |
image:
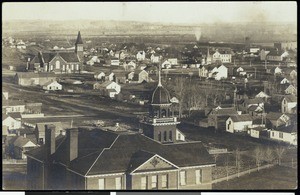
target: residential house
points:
(100, 76)
(52, 86)
(121, 55)
(155, 58)
(263, 95)
(166, 64)
(263, 54)
(253, 106)
(131, 65)
(33, 79)
(114, 61)
(218, 72)
(285, 134)
(217, 117)
(223, 56)
(238, 123)
(40, 130)
(18, 145)
(291, 90)
(141, 55)
(110, 77)
(11, 123)
(11, 106)
(140, 76)
(289, 104)
(284, 81)
(108, 88)
(277, 56)
(173, 61)
(106, 160)
(259, 132)
(203, 71)
(278, 71)
(4, 95)
(277, 119)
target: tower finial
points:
(159, 76)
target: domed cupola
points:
(160, 96)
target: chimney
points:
(117, 124)
(72, 143)
(50, 139)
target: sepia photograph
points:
(150, 96)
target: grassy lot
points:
(14, 177)
(274, 178)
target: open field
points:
(275, 178)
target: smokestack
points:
(50, 139)
(72, 143)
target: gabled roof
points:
(50, 82)
(290, 98)
(21, 141)
(256, 100)
(103, 152)
(105, 84)
(69, 56)
(241, 118)
(274, 115)
(225, 111)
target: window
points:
(272, 134)
(51, 67)
(182, 178)
(118, 183)
(159, 136)
(57, 64)
(198, 176)
(41, 140)
(72, 67)
(228, 126)
(101, 184)
(164, 181)
(154, 182)
(165, 135)
(170, 136)
(77, 66)
(179, 136)
(144, 183)
(63, 67)
(281, 135)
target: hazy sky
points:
(175, 12)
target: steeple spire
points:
(79, 40)
(159, 76)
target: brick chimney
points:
(50, 139)
(72, 143)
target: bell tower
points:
(79, 47)
(160, 124)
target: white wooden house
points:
(238, 123)
(289, 104)
(52, 86)
(11, 122)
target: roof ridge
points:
(101, 154)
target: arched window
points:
(159, 136)
(170, 136)
(163, 113)
(57, 64)
(165, 135)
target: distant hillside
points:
(257, 31)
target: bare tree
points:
(258, 153)
(269, 155)
(180, 91)
(279, 150)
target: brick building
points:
(97, 160)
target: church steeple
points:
(159, 77)
(79, 46)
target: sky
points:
(166, 12)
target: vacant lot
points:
(274, 178)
